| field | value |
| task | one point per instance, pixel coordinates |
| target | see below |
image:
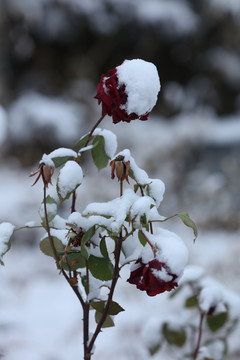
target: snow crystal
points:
(110, 144)
(142, 85)
(6, 231)
(46, 159)
(161, 274)
(171, 250)
(3, 125)
(69, 178)
(62, 152)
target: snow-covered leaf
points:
(51, 210)
(6, 231)
(101, 268)
(99, 155)
(61, 155)
(69, 178)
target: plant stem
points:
(75, 288)
(202, 315)
(110, 295)
(86, 143)
(94, 127)
(112, 288)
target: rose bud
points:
(120, 168)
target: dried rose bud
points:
(153, 277)
(120, 168)
(45, 170)
(130, 92)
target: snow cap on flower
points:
(159, 267)
(130, 92)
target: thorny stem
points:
(202, 315)
(75, 288)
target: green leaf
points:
(189, 222)
(81, 143)
(192, 301)
(114, 308)
(107, 323)
(141, 238)
(215, 322)
(101, 268)
(86, 237)
(154, 349)
(99, 155)
(59, 161)
(144, 222)
(72, 260)
(174, 337)
(103, 248)
(46, 247)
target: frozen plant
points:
(82, 244)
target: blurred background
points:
(52, 55)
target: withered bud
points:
(44, 171)
(120, 168)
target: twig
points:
(202, 315)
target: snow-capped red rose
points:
(153, 277)
(160, 264)
(130, 92)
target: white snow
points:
(46, 159)
(62, 152)
(110, 144)
(70, 176)
(6, 231)
(142, 85)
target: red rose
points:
(113, 97)
(153, 277)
